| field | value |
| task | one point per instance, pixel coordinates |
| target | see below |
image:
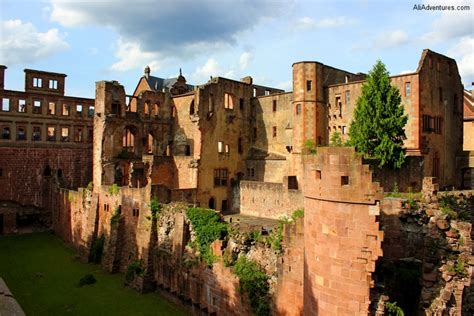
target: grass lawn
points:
(41, 272)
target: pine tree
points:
(378, 126)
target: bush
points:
(299, 213)
(86, 280)
(392, 309)
(309, 147)
(114, 189)
(90, 186)
(155, 208)
(133, 269)
(254, 282)
(97, 249)
(208, 227)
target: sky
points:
(93, 40)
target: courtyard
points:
(43, 275)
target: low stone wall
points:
(8, 305)
(268, 200)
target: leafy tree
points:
(378, 127)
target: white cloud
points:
(330, 22)
(245, 59)
(451, 24)
(463, 51)
(22, 43)
(131, 56)
(390, 39)
(210, 68)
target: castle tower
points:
(110, 113)
(308, 105)
(2, 76)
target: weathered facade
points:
(46, 140)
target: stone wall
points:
(268, 200)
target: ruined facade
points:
(237, 147)
(46, 140)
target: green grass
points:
(43, 275)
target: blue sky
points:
(92, 40)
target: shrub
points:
(97, 249)
(134, 269)
(299, 213)
(208, 227)
(86, 280)
(336, 140)
(155, 208)
(90, 186)
(309, 147)
(254, 282)
(392, 309)
(114, 189)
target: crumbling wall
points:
(268, 200)
(427, 251)
(289, 289)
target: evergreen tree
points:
(378, 126)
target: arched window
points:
(60, 173)
(6, 132)
(146, 108)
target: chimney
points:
(2, 76)
(147, 72)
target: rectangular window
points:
(274, 131)
(6, 132)
(254, 92)
(267, 92)
(78, 135)
(78, 109)
(65, 110)
(220, 147)
(228, 101)
(348, 98)
(90, 113)
(344, 180)
(21, 133)
(90, 135)
(426, 123)
(227, 149)
(53, 84)
(254, 133)
(239, 146)
(65, 134)
(51, 108)
(339, 104)
(37, 107)
(36, 136)
(407, 89)
(292, 183)
(298, 109)
(309, 84)
(437, 125)
(220, 177)
(21, 106)
(37, 82)
(241, 104)
(5, 104)
(344, 130)
(51, 137)
(274, 105)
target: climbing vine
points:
(208, 227)
(254, 282)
